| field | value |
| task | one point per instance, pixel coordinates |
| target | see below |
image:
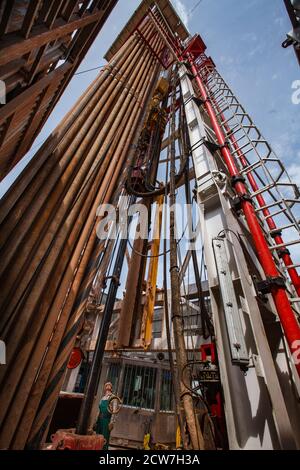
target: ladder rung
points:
(290, 266)
(219, 103)
(240, 149)
(263, 190)
(242, 136)
(283, 245)
(291, 202)
(264, 161)
(284, 227)
(294, 299)
(233, 131)
(275, 213)
(222, 111)
(216, 94)
(251, 167)
(245, 152)
(268, 206)
(223, 123)
(210, 79)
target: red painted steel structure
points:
(262, 203)
(194, 49)
(288, 320)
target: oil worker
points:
(106, 419)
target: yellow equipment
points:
(147, 318)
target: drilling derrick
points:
(213, 355)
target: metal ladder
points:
(280, 210)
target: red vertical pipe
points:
(288, 320)
(261, 202)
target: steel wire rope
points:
(89, 70)
(160, 254)
(109, 267)
(189, 334)
(175, 378)
(205, 319)
(106, 242)
(173, 163)
(194, 8)
(179, 251)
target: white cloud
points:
(226, 60)
(259, 49)
(182, 11)
(249, 37)
(279, 21)
(285, 144)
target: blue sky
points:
(244, 38)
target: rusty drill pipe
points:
(8, 229)
(59, 365)
(116, 123)
(27, 246)
(29, 174)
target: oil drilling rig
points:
(195, 324)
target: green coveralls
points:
(104, 417)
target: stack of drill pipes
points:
(61, 145)
(64, 134)
(73, 326)
(52, 259)
(24, 227)
(33, 232)
(14, 234)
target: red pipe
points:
(261, 202)
(288, 320)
